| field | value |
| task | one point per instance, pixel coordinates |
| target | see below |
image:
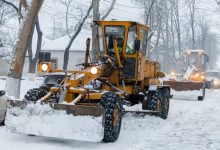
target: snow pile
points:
(42, 120)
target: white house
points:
(77, 50)
(56, 49)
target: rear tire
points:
(165, 104)
(3, 122)
(157, 101)
(112, 117)
(150, 102)
(200, 98)
(35, 94)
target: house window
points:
(44, 57)
(54, 62)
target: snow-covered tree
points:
(15, 73)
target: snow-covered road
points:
(190, 125)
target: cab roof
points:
(196, 51)
(116, 22)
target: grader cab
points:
(121, 76)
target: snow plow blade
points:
(185, 85)
(76, 110)
(189, 86)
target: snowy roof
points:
(61, 43)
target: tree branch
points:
(15, 7)
(11, 4)
(66, 53)
(109, 10)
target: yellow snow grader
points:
(195, 63)
(121, 76)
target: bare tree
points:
(109, 10)
(34, 59)
(192, 9)
(66, 52)
(218, 2)
(204, 28)
(15, 72)
(67, 4)
(176, 22)
(15, 8)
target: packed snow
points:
(191, 124)
(44, 121)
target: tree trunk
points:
(33, 61)
(16, 69)
(95, 41)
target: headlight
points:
(197, 74)
(94, 70)
(173, 73)
(44, 67)
(202, 77)
(216, 82)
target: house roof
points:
(79, 43)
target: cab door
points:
(130, 63)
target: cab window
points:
(131, 40)
(101, 44)
(114, 33)
(143, 40)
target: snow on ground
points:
(191, 124)
(25, 84)
(44, 121)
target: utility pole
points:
(95, 41)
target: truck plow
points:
(196, 63)
(188, 86)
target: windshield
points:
(112, 33)
(195, 59)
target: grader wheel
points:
(157, 101)
(112, 117)
(35, 94)
(165, 103)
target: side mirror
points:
(2, 93)
(137, 45)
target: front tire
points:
(112, 117)
(35, 94)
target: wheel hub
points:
(115, 117)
